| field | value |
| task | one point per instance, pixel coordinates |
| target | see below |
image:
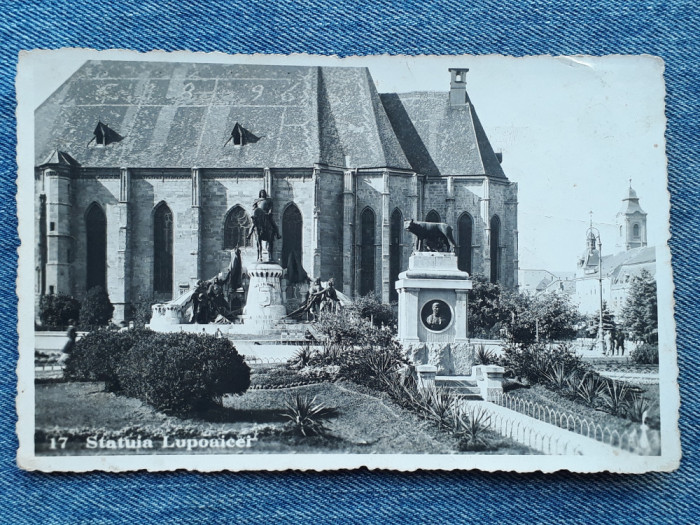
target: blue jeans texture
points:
(665, 28)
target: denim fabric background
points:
(668, 29)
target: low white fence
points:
(637, 439)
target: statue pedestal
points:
(433, 310)
(264, 305)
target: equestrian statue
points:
(263, 225)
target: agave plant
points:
(636, 407)
(306, 416)
(381, 363)
(571, 387)
(439, 405)
(302, 357)
(484, 356)
(590, 388)
(557, 376)
(471, 425)
(615, 397)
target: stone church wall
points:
(147, 191)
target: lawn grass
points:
(362, 422)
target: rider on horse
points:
(263, 223)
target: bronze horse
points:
(263, 224)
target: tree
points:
(484, 307)
(609, 324)
(96, 309)
(528, 318)
(640, 315)
(55, 311)
(525, 317)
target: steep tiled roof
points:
(613, 264)
(439, 139)
(182, 114)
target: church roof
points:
(439, 139)
(613, 264)
(181, 115)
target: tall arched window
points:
(395, 252)
(367, 251)
(292, 227)
(464, 240)
(432, 216)
(96, 233)
(236, 228)
(163, 249)
(635, 231)
(495, 249)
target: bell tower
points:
(631, 223)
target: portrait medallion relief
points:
(436, 315)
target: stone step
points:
(464, 386)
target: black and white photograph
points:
(307, 262)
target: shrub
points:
(55, 311)
(96, 309)
(97, 356)
(364, 352)
(182, 371)
(646, 354)
(306, 416)
(370, 308)
(534, 362)
(471, 428)
(368, 365)
(141, 311)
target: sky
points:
(573, 132)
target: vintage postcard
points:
(306, 262)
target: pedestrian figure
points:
(71, 334)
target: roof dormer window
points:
(238, 135)
(104, 135)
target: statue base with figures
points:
(264, 307)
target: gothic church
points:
(146, 171)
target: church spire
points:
(631, 222)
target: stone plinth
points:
(264, 305)
(433, 300)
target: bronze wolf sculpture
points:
(431, 236)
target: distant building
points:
(543, 281)
(146, 172)
(618, 268)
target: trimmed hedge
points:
(177, 372)
(97, 356)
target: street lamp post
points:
(594, 235)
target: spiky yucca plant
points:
(557, 376)
(306, 416)
(470, 425)
(484, 356)
(615, 397)
(590, 388)
(439, 405)
(636, 406)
